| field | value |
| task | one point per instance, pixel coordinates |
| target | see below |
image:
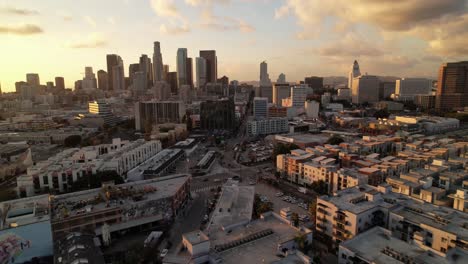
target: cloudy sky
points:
(298, 37)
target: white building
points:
(353, 73)
(431, 124)
(267, 126)
(59, 172)
(260, 108)
(407, 88)
(103, 110)
(365, 89)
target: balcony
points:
(322, 211)
(340, 228)
(322, 219)
(341, 220)
(339, 235)
(321, 227)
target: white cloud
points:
(281, 12)
(111, 20)
(165, 8)
(174, 29)
(223, 23)
(94, 40)
(90, 21)
(206, 2)
(25, 29)
(442, 24)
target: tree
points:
(295, 219)
(282, 149)
(72, 141)
(335, 140)
(382, 113)
(301, 241)
(319, 187)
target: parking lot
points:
(278, 203)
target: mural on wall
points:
(21, 244)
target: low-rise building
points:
(115, 208)
(267, 126)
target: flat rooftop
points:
(263, 250)
(125, 196)
(235, 206)
(24, 211)
(370, 246)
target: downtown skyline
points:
(298, 38)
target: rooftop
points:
(24, 211)
(125, 196)
(373, 245)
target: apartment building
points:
(59, 172)
(355, 210)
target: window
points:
(429, 234)
(444, 240)
(343, 256)
(45, 179)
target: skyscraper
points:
(145, 67)
(260, 108)
(165, 72)
(33, 79)
(181, 66)
(281, 78)
(365, 89)
(172, 80)
(211, 65)
(264, 77)
(280, 91)
(112, 61)
(132, 69)
(314, 82)
(201, 71)
(452, 86)
(117, 77)
(190, 72)
(158, 71)
(60, 83)
(353, 73)
(102, 80)
(89, 80)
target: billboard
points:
(23, 243)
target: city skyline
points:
(298, 38)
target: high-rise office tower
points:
(33, 79)
(365, 89)
(260, 108)
(201, 71)
(60, 83)
(452, 86)
(190, 72)
(118, 76)
(181, 66)
(145, 67)
(112, 61)
(314, 82)
(158, 71)
(281, 78)
(165, 72)
(132, 69)
(280, 91)
(102, 80)
(264, 77)
(89, 80)
(353, 73)
(211, 65)
(172, 80)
